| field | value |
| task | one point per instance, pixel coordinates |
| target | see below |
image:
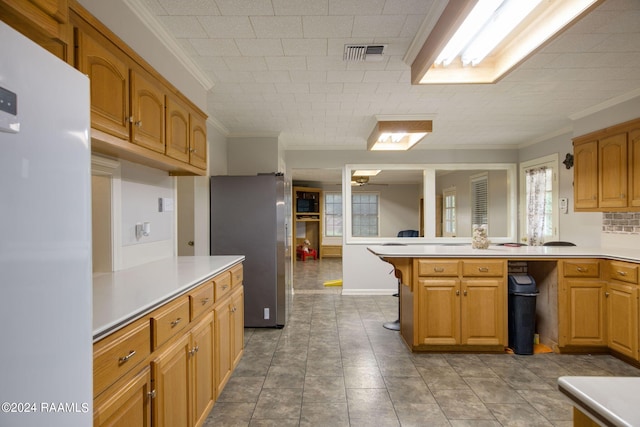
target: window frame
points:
(449, 192)
(377, 215)
(325, 215)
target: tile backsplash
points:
(621, 222)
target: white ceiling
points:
(277, 69)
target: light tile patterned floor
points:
(335, 365)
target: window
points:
(364, 214)
(479, 200)
(449, 207)
(332, 214)
(539, 195)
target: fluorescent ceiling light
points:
(366, 172)
(479, 41)
(398, 135)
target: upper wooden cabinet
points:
(108, 74)
(147, 112)
(607, 169)
(43, 21)
(136, 114)
(186, 134)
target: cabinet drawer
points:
(236, 275)
(201, 299)
(623, 271)
(438, 268)
(581, 268)
(169, 320)
(222, 285)
(483, 268)
(120, 352)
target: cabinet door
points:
(439, 308)
(147, 111)
(585, 175)
(198, 142)
(634, 167)
(109, 79)
(127, 403)
(203, 373)
(584, 313)
(483, 312)
(622, 309)
(612, 171)
(171, 373)
(223, 345)
(177, 130)
(237, 324)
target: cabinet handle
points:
(175, 322)
(152, 394)
(457, 292)
(438, 269)
(606, 294)
(581, 269)
(129, 119)
(205, 300)
(224, 287)
(465, 293)
(234, 309)
(127, 357)
(483, 269)
(622, 273)
(138, 123)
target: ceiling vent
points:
(363, 52)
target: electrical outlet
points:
(266, 313)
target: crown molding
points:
(150, 21)
(430, 20)
(606, 104)
(215, 123)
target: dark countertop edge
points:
(107, 330)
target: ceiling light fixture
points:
(398, 135)
(366, 172)
(479, 41)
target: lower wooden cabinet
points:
(622, 309)
(126, 403)
(183, 378)
(461, 303)
(176, 384)
(582, 307)
(229, 320)
(583, 314)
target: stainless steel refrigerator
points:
(250, 217)
(45, 238)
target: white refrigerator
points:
(45, 239)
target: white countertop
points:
(610, 400)
(124, 296)
(494, 251)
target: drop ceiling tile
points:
(326, 63)
(246, 63)
(260, 47)
(245, 7)
(344, 76)
(194, 7)
(368, 65)
(277, 26)
(378, 26)
(301, 7)
(234, 76)
(306, 47)
(212, 63)
(327, 88)
(327, 26)
(355, 7)
(272, 76)
(355, 88)
(399, 7)
(286, 62)
(215, 47)
(155, 7)
(224, 27)
(293, 88)
(308, 76)
(183, 26)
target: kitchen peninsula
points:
(171, 331)
(454, 298)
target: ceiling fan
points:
(359, 180)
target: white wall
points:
(398, 207)
(249, 156)
(141, 187)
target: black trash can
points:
(522, 313)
